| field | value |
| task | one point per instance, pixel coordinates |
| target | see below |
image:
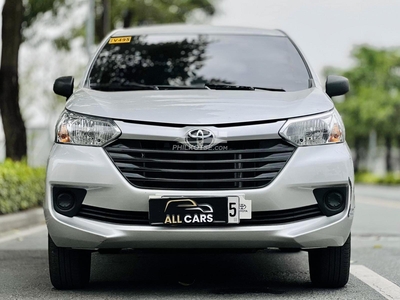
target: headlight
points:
(78, 129)
(320, 129)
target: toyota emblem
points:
(199, 139)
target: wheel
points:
(69, 268)
(330, 267)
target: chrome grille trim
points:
(242, 165)
(258, 217)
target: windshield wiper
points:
(132, 86)
(241, 87)
(129, 86)
(181, 87)
(270, 89)
(125, 86)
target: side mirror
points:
(64, 86)
(336, 85)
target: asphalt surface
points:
(262, 275)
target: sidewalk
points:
(19, 220)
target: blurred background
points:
(44, 39)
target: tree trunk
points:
(106, 20)
(127, 18)
(103, 21)
(14, 127)
(388, 145)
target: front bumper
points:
(90, 168)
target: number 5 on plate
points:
(233, 210)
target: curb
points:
(23, 219)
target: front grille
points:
(258, 217)
(163, 165)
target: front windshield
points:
(198, 59)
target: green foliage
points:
(157, 11)
(374, 100)
(143, 12)
(115, 13)
(375, 68)
(52, 13)
(373, 103)
(367, 177)
(33, 9)
(21, 187)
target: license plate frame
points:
(194, 211)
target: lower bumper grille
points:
(168, 165)
(113, 216)
(258, 217)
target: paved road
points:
(267, 274)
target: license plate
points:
(185, 211)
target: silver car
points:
(193, 137)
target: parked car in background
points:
(199, 137)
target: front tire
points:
(69, 268)
(330, 267)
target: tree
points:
(143, 12)
(20, 15)
(16, 16)
(34, 9)
(14, 128)
(374, 100)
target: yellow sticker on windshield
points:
(120, 40)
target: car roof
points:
(194, 29)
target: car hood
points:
(199, 107)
